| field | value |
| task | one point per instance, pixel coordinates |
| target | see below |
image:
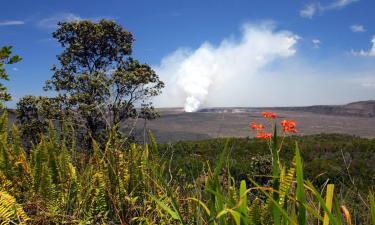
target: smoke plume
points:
(193, 76)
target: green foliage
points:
(98, 81)
(112, 181)
(10, 211)
(117, 183)
(32, 115)
(300, 193)
(329, 201)
(6, 57)
(322, 155)
(372, 207)
(57, 183)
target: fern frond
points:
(4, 123)
(99, 206)
(255, 212)
(10, 211)
(286, 180)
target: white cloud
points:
(340, 4)
(15, 69)
(356, 28)
(11, 22)
(309, 10)
(51, 22)
(261, 68)
(316, 43)
(314, 8)
(193, 75)
(362, 52)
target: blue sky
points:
(333, 41)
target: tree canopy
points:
(99, 84)
(6, 57)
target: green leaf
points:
(275, 177)
(372, 207)
(235, 215)
(14, 59)
(243, 205)
(153, 144)
(202, 204)
(300, 189)
(172, 213)
(329, 199)
(277, 205)
(322, 203)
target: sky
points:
(215, 52)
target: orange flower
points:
(289, 126)
(264, 135)
(255, 126)
(270, 115)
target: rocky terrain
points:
(356, 109)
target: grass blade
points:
(243, 206)
(329, 199)
(372, 207)
(300, 189)
(275, 178)
(172, 213)
(322, 203)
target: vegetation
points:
(121, 184)
(343, 160)
(32, 113)
(70, 164)
(325, 156)
(6, 57)
(99, 83)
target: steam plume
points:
(192, 75)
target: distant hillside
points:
(359, 109)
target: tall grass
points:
(120, 183)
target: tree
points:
(6, 57)
(98, 81)
(33, 115)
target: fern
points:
(5, 157)
(286, 181)
(46, 189)
(255, 212)
(4, 123)
(10, 211)
(52, 146)
(99, 207)
(64, 164)
(42, 175)
(21, 162)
